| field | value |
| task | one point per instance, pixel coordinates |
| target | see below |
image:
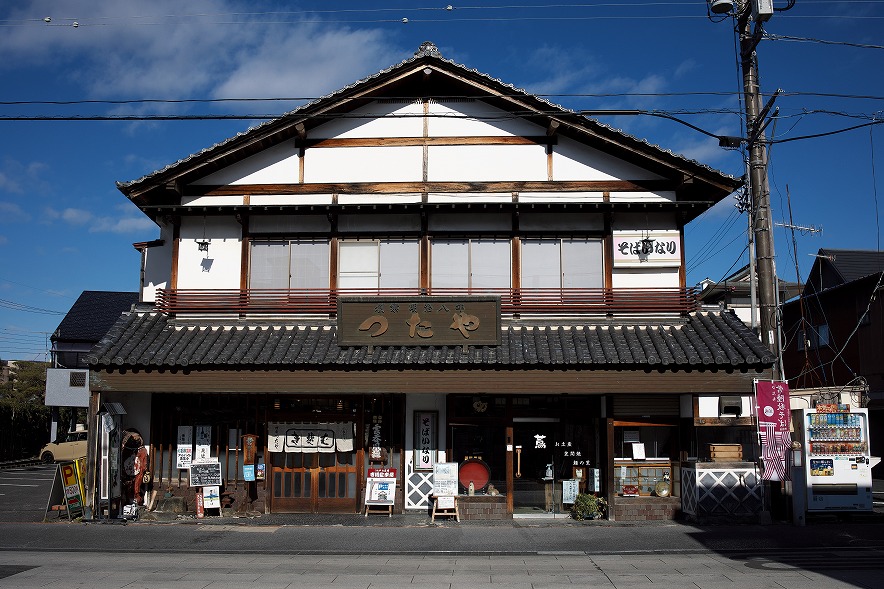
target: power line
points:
(821, 41)
(27, 308)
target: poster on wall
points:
(184, 452)
(425, 439)
(773, 410)
(212, 497)
(203, 450)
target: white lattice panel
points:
(418, 486)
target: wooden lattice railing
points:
(526, 300)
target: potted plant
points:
(588, 506)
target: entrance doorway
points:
(313, 467)
(537, 489)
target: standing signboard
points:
(380, 490)
(184, 454)
(73, 488)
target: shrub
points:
(588, 506)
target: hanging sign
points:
(773, 410)
(203, 450)
(425, 436)
(649, 248)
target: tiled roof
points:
(703, 341)
(854, 264)
(93, 313)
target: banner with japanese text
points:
(773, 410)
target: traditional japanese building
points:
(428, 265)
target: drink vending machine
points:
(835, 448)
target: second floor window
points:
(471, 263)
(371, 264)
(562, 263)
(289, 264)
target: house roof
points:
(704, 341)
(93, 313)
(739, 283)
(446, 78)
(850, 265)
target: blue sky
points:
(65, 228)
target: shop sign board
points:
(570, 488)
(425, 439)
(445, 482)
(73, 488)
(205, 474)
(648, 248)
(184, 453)
(203, 450)
(419, 321)
(380, 486)
(212, 497)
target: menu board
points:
(205, 474)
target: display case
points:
(835, 445)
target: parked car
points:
(67, 447)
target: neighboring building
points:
(834, 331)
(735, 293)
(92, 314)
(427, 265)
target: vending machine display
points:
(835, 440)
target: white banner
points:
(310, 437)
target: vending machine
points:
(835, 444)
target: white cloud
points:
(202, 51)
(17, 177)
(125, 223)
(12, 213)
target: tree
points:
(24, 418)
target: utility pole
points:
(762, 226)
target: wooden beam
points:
(422, 141)
(418, 187)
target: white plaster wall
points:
(645, 278)
(708, 406)
(157, 266)
(364, 164)
(486, 163)
(219, 268)
(574, 161)
(213, 201)
(388, 123)
(465, 119)
(290, 199)
(363, 199)
(585, 197)
(657, 196)
(137, 406)
(274, 165)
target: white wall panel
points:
(395, 119)
(658, 196)
(575, 161)
(274, 165)
(290, 199)
(650, 278)
(487, 163)
(475, 197)
(157, 266)
(364, 164)
(212, 201)
(360, 199)
(561, 197)
(219, 268)
(475, 118)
